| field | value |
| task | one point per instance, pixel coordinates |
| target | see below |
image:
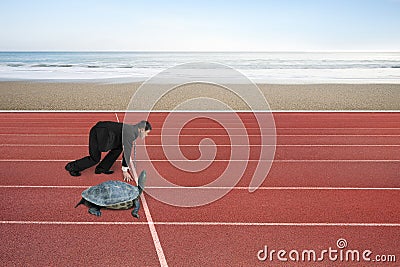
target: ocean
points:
(262, 67)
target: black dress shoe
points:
(72, 172)
(103, 171)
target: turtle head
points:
(142, 181)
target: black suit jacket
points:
(115, 135)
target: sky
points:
(200, 25)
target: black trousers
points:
(95, 156)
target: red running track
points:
(335, 176)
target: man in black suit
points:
(114, 137)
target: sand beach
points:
(33, 95)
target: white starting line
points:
(219, 160)
(306, 224)
(214, 187)
(216, 145)
(220, 135)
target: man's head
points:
(144, 128)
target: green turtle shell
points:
(112, 194)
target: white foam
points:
(259, 67)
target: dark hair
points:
(146, 125)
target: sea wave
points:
(269, 67)
(242, 66)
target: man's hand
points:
(127, 177)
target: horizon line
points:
(201, 51)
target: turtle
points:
(113, 195)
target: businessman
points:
(109, 136)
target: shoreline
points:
(101, 96)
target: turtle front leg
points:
(95, 211)
(136, 204)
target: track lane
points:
(76, 245)
(62, 129)
(222, 153)
(82, 140)
(282, 174)
(288, 206)
(57, 204)
(240, 243)
(282, 119)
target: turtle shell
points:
(110, 193)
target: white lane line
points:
(73, 223)
(223, 135)
(213, 188)
(306, 224)
(217, 145)
(213, 128)
(219, 160)
(290, 111)
(63, 135)
(47, 186)
(279, 188)
(154, 235)
(153, 231)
